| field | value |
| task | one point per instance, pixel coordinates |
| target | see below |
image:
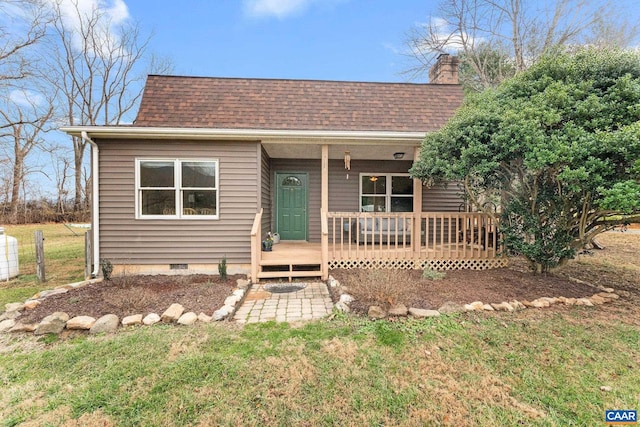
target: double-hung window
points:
(177, 188)
(386, 192)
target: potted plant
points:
(267, 243)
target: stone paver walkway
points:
(260, 305)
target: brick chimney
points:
(445, 70)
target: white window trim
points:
(177, 187)
(388, 194)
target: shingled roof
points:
(234, 103)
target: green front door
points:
(291, 205)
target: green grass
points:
(482, 370)
(64, 260)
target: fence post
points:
(39, 237)
(88, 265)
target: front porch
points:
(436, 240)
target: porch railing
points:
(256, 245)
(405, 236)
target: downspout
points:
(95, 214)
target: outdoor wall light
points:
(399, 155)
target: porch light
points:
(347, 160)
(399, 155)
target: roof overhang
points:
(264, 135)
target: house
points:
(212, 165)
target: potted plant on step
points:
(267, 244)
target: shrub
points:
(222, 268)
(433, 274)
(107, 268)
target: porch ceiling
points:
(358, 151)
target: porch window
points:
(177, 188)
(386, 193)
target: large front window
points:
(386, 193)
(177, 188)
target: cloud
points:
(113, 14)
(281, 8)
(277, 8)
(26, 98)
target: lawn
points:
(536, 367)
(64, 260)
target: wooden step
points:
(289, 274)
(276, 262)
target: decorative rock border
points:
(56, 322)
(605, 295)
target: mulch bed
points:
(124, 296)
(462, 287)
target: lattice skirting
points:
(434, 264)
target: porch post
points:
(417, 212)
(324, 208)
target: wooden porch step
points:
(289, 274)
(276, 262)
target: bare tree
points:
(499, 38)
(99, 78)
(26, 124)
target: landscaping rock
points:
(220, 314)
(487, 307)
(476, 305)
(7, 324)
(421, 313)
(172, 313)
(188, 319)
(14, 306)
(231, 300)
(540, 303)
(503, 306)
(107, 323)
(597, 300)
(202, 317)
(551, 301)
(517, 305)
(570, 301)
(9, 315)
(346, 298)
(584, 301)
(24, 327)
(608, 290)
(343, 307)
(450, 307)
(50, 292)
(32, 303)
(52, 324)
(81, 322)
(331, 281)
(398, 310)
(243, 283)
(134, 319)
(151, 319)
(239, 293)
(605, 388)
(608, 295)
(376, 312)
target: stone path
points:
(260, 305)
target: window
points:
(386, 193)
(176, 188)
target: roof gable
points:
(229, 103)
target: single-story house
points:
(212, 166)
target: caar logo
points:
(621, 417)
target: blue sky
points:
(309, 39)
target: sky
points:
(359, 40)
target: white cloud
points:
(281, 8)
(277, 8)
(26, 98)
(113, 14)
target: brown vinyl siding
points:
(344, 193)
(127, 240)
